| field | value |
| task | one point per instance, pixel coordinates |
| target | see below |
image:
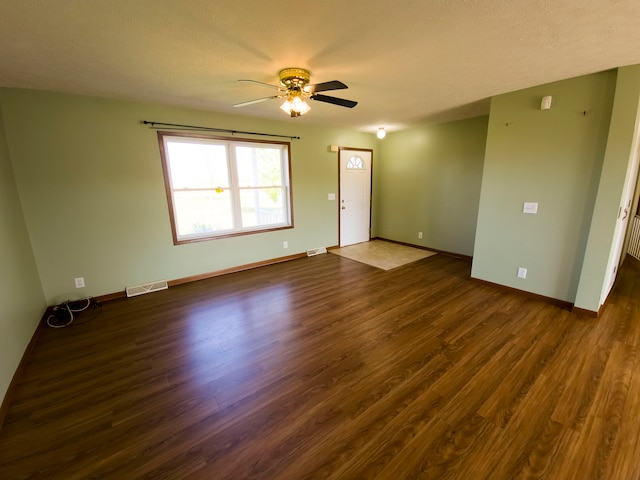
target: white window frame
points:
(234, 188)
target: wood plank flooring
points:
(323, 367)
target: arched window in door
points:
(355, 163)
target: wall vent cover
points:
(316, 251)
(147, 288)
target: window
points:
(355, 163)
(217, 187)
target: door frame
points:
(340, 149)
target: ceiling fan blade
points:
(325, 86)
(262, 83)
(334, 100)
(251, 102)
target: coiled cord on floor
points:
(69, 308)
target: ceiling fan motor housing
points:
(294, 78)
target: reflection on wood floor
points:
(327, 368)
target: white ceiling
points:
(405, 61)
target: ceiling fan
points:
(295, 89)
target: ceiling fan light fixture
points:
(286, 107)
(295, 106)
(381, 133)
(300, 105)
(295, 89)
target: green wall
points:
(553, 157)
(598, 262)
(21, 294)
(90, 179)
(428, 180)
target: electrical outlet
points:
(522, 272)
(419, 234)
(79, 282)
(285, 244)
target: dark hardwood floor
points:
(327, 368)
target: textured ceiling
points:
(405, 61)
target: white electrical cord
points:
(70, 311)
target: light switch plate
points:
(530, 207)
(331, 196)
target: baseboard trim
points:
(584, 311)
(240, 268)
(194, 278)
(111, 296)
(4, 408)
(203, 276)
(441, 252)
(554, 301)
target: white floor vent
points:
(316, 251)
(147, 288)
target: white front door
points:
(355, 196)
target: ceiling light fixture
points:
(294, 105)
(295, 89)
(381, 133)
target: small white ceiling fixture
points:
(381, 133)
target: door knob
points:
(344, 208)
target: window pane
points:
(355, 163)
(197, 165)
(259, 166)
(199, 213)
(262, 206)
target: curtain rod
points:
(177, 126)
